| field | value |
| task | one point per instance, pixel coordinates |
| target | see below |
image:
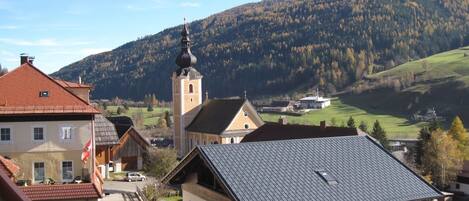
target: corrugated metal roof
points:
(287, 170)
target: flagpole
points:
(93, 150)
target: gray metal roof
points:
(286, 170)
(105, 131)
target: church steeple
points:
(185, 59)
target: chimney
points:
(323, 125)
(23, 58)
(31, 60)
(283, 120)
(79, 79)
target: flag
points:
(86, 152)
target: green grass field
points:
(150, 118)
(395, 126)
(443, 67)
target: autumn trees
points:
(441, 153)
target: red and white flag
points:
(86, 152)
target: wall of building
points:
(24, 151)
(241, 120)
(22, 136)
(197, 138)
(186, 105)
(52, 164)
(191, 191)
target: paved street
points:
(123, 190)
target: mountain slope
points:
(440, 81)
(275, 47)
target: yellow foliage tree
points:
(442, 158)
(459, 133)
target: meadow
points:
(395, 126)
(150, 118)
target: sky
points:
(60, 32)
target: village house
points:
(132, 147)
(44, 126)
(330, 168)
(461, 186)
(314, 102)
(276, 131)
(106, 139)
(279, 106)
(218, 121)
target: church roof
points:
(215, 115)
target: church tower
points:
(187, 93)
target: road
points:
(123, 190)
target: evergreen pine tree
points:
(380, 134)
(423, 138)
(363, 126)
(150, 108)
(351, 122)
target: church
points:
(198, 122)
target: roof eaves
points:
(217, 174)
(184, 161)
(404, 165)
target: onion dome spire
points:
(185, 58)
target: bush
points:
(160, 162)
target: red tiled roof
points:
(8, 189)
(19, 94)
(61, 191)
(8, 167)
(67, 84)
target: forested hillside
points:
(275, 47)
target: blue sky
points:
(60, 32)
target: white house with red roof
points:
(44, 125)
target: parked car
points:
(135, 176)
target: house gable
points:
(28, 90)
(246, 115)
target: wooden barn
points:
(106, 138)
(128, 154)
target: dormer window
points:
(191, 88)
(44, 94)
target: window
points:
(38, 133)
(191, 88)
(67, 170)
(39, 171)
(246, 126)
(232, 140)
(44, 94)
(66, 133)
(331, 180)
(5, 134)
(457, 186)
